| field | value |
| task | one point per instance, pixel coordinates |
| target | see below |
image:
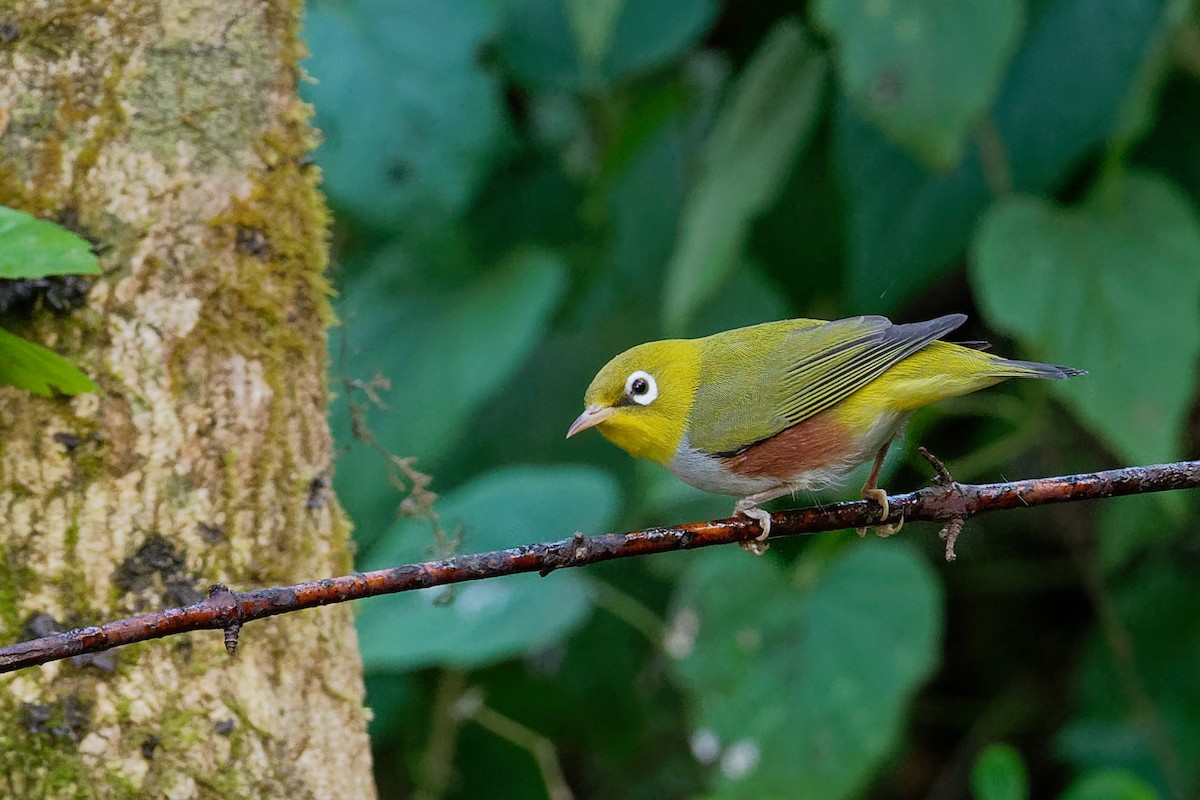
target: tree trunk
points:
(169, 132)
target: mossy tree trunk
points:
(169, 132)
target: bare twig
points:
(436, 772)
(471, 706)
(954, 526)
(938, 503)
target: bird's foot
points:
(758, 545)
(882, 531)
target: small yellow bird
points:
(787, 406)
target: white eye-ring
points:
(641, 388)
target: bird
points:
(788, 406)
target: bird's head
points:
(641, 399)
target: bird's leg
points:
(871, 491)
(748, 506)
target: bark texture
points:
(169, 132)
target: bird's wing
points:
(789, 373)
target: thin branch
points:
(942, 502)
(436, 771)
(629, 610)
(471, 706)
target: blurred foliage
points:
(488, 620)
(999, 774)
(804, 678)
(1131, 254)
(524, 188)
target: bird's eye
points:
(641, 388)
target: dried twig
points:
(943, 502)
(954, 526)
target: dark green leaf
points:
(1110, 784)
(445, 353)
(1172, 148)
(411, 122)
(1062, 98)
(904, 224)
(1111, 287)
(566, 45)
(496, 619)
(923, 71)
(34, 248)
(35, 369)
(804, 682)
(646, 199)
(999, 774)
(593, 23)
(758, 134)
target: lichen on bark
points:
(169, 132)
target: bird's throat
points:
(655, 442)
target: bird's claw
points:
(755, 548)
(758, 545)
(883, 530)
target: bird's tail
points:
(1011, 368)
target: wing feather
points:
(803, 369)
(845, 355)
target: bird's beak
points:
(592, 415)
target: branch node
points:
(954, 527)
(580, 547)
(579, 552)
(228, 612)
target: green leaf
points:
(924, 71)
(1061, 99)
(1110, 784)
(38, 370)
(1111, 287)
(34, 248)
(495, 619)
(411, 121)
(1000, 774)
(444, 351)
(568, 45)
(761, 129)
(804, 685)
(594, 22)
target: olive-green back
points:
(758, 381)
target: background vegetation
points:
(524, 188)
